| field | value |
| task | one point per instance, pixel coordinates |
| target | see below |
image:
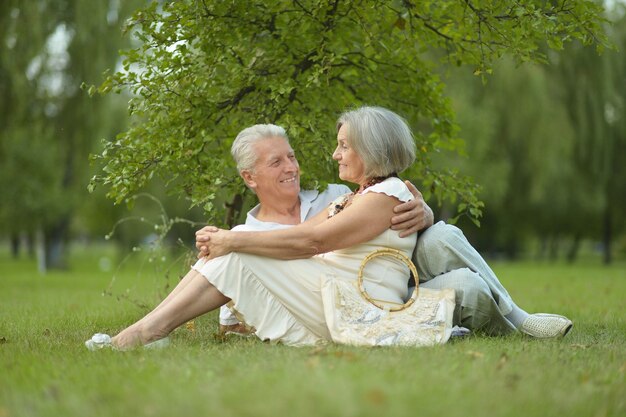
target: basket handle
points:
(396, 254)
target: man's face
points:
(276, 173)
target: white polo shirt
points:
(311, 203)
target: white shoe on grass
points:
(99, 341)
(546, 326)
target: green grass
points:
(46, 371)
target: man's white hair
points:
(242, 149)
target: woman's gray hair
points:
(381, 138)
(242, 149)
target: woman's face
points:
(351, 166)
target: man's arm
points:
(412, 216)
(204, 235)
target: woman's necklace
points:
(340, 205)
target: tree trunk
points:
(572, 253)
(233, 209)
(31, 244)
(40, 251)
(543, 247)
(606, 238)
(554, 248)
(511, 248)
(15, 245)
(55, 248)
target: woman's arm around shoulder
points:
(365, 218)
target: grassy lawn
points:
(45, 369)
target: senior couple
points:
(270, 269)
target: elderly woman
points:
(274, 277)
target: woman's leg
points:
(193, 299)
(181, 284)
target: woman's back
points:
(385, 277)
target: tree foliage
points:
(204, 70)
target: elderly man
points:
(443, 256)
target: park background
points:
(528, 157)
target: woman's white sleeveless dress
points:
(282, 298)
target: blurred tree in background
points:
(515, 133)
(594, 95)
(49, 125)
(548, 145)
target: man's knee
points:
(437, 248)
(438, 236)
(477, 309)
(476, 292)
(476, 306)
